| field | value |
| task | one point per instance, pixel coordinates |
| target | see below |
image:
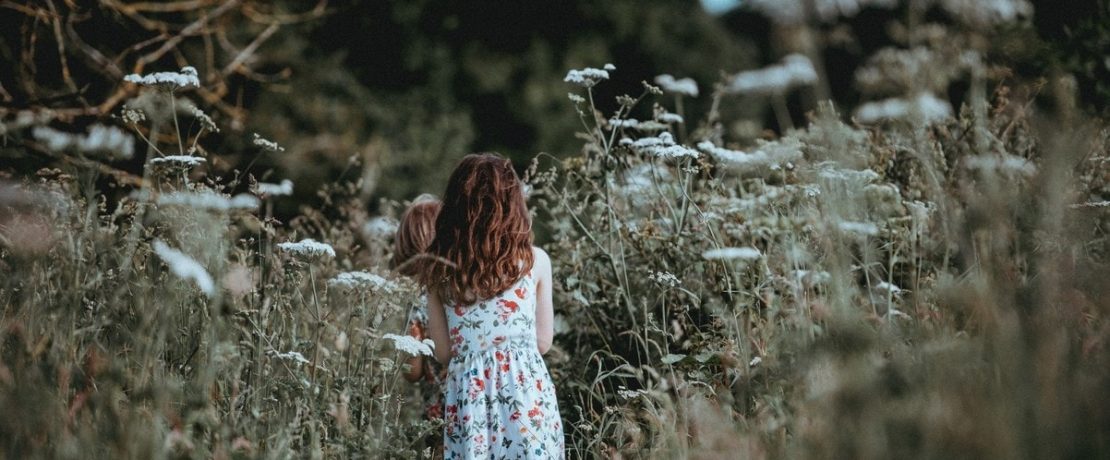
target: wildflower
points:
(380, 227)
(848, 175)
(185, 267)
(177, 161)
(609, 67)
(109, 140)
(664, 279)
(685, 86)
(169, 81)
(294, 356)
(1001, 163)
(663, 146)
(307, 248)
(794, 11)
(209, 200)
(795, 70)
(987, 12)
(743, 253)
(670, 118)
(755, 361)
(360, 279)
(1090, 204)
(576, 98)
(267, 144)
(770, 155)
(284, 188)
(203, 118)
(587, 77)
(859, 228)
(888, 288)
(410, 345)
(926, 106)
(809, 276)
(618, 123)
(132, 116)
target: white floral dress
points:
(498, 397)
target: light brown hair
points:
(414, 233)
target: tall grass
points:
(905, 281)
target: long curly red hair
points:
(483, 234)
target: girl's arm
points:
(545, 311)
(416, 363)
(437, 328)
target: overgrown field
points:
(902, 279)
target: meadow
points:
(919, 276)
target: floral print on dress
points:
(498, 398)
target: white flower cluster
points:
(795, 70)
(171, 81)
(618, 123)
(1001, 163)
(664, 279)
(1090, 204)
(770, 155)
(177, 161)
(267, 144)
(833, 173)
(100, 139)
(896, 69)
(858, 228)
(410, 345)
(360, 279)
(925, 106)
(811, 277)
(208, 200)
(380, 227)
(886, 287)
(282, 189)
(684, 86)
(662, 146)
(987, 12)
(587, 77)
(670, 118)
(308, 248)
(794, 11)
(185, 267)
(294, 356)
(742, 253)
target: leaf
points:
(672, 358)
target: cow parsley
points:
(360, 279)
(684, 86)
(664, 279)
(168, 81)
(858, 228)
(795, 70)
(267, 144)
(670, 118)
(587, 77)
(618, 123)
(108, 140)
(925, 106)
(742, 253)
(209, 200)
(663, 146)
(1001, 163)
(410, 345)
(294, 356)
(282, 189)
(185, 267)
(794, 11)
(380, 227)
(307, 248)
(769, 155)
(177, 161)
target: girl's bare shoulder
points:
(541, 261)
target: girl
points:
(491, 318)
(414, 233)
